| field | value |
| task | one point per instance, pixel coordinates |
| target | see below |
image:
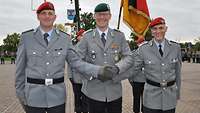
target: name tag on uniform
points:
(59, 49)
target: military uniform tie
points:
(160, 50)
(103, 38)
(45, 38)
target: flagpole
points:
(119, 18)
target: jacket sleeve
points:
(178, 73)
(131, 64)
(20, 72)
(69, 72)
(75, 61)
(125, 47)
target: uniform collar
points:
(162, 43)
(49, 32)
(100, 32)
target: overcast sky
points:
(182, 16)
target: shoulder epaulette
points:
(173, 42)
(117, 30)
(63, 32)
(88, 31)
(28, 31)
(144, 43)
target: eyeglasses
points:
(102, 14)
(50, 13)
(158, 28)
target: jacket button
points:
(47, 63)
(47, 52)
(47, 74)
(162, 64)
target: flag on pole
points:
(136, 16)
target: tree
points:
(148, 36)
(133, 44)
(197, 46)
(87, 21)
(10, 43)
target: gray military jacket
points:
(158, 69)
(93, 51)
(37, 60)
(76, 76)
(139, 77)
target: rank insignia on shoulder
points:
(117, 30)
(61, 31)
(144, 43)
(88, 31)
(28, 31)
(173, 42)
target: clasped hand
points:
(107, 72)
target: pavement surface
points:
(189, 102)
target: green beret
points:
(102, 7)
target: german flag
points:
(136, 16)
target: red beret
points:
(157, 21)
(45, 6)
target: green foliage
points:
(148, 36)
(10, 43)
(132, 45)
(197, 46)
(87, 21)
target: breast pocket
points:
(59, 57)
(172, 63)
(150, 65)
(34, 57)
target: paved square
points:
(189, 103)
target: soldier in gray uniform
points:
(161, 60)
(102, 46)
(137, 82)
(40, 65)
(80, 103)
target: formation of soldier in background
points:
(190, 56)
(11, 56)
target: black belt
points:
(45, 81)
(162, 84)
